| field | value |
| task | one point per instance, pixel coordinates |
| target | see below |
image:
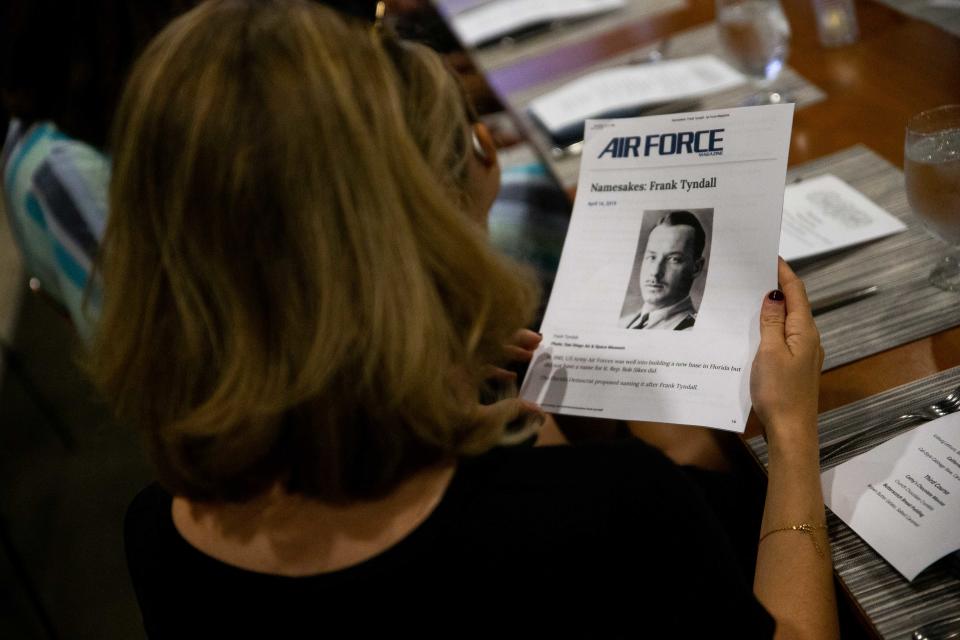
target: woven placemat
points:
(509, 51)
(692, 42)
(894, 606)
(907, 307)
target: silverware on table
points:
(944, 629)
(946, 405)
(949, 404)
(523, 34)
(842, 299)
(656, 54)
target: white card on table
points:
(633, 86)
(903, 496)
(825, 214)
(503, 17)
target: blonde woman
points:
(301, 320)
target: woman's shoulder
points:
(596, 488)
(595, 465)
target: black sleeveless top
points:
(586, 541)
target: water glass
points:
(756, 37)
(932, 173)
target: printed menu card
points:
(825, 214)
(903, 496)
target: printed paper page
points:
(825, 214)
(671, 247)
(633, 86)
(502, 17)
(903, 496)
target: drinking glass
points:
(932, 172)
(756, 37)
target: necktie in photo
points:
(642, 323)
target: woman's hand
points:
(785, 378)
(522, 345)
(520, 349)
(525, 418)
(793, 581)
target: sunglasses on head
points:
(369, 10)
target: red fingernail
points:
(776, 295)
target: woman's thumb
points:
(773, 315)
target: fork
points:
(946, 405)
(656, 54)
(943, 629)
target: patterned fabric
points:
(55, 189)
(528, 220)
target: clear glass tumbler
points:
(756, 37)
(932, 173)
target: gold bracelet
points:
(803, 527)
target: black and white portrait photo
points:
(669, 270)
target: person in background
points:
(308, 360)
(62, 66)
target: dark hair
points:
(686, 218)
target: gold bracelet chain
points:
(803, 527)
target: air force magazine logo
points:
(703, 143)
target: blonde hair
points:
(291, 290)
(435, 105)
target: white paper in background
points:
(633, 86)
(590, 362)
(502, 17)
(825, 214)
(903, 496)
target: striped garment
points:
(55, 191)
(529, 218)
